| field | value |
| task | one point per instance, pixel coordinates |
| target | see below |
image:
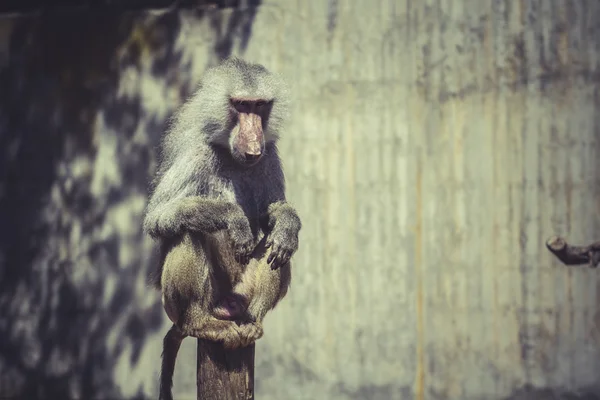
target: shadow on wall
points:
(529, 393)
(77, 153)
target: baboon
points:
(219, 212)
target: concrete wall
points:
(434, 147)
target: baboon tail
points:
(171, 344)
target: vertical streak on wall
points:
(420, 374)
(412, 25)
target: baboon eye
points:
(260, 103)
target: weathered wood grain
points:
(224, 374)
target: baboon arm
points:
(282, 228)
(176, 204)
(276, 209)
(192, 213)
(279, 213)
(283, 214)
(163, 221)
(175, 181)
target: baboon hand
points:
(241, 237)
(283, 243)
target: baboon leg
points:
(270, 286)
(264, 288)
(258, 292)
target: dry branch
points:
(574, 255)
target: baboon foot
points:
(250, 333)
(225, 332)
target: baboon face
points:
(247, 140)
(241, 107)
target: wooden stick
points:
(574, 255)
(224, 374)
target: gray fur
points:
(193, 165)
(224, 228)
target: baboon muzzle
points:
(251, 139)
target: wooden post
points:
(224, 374)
